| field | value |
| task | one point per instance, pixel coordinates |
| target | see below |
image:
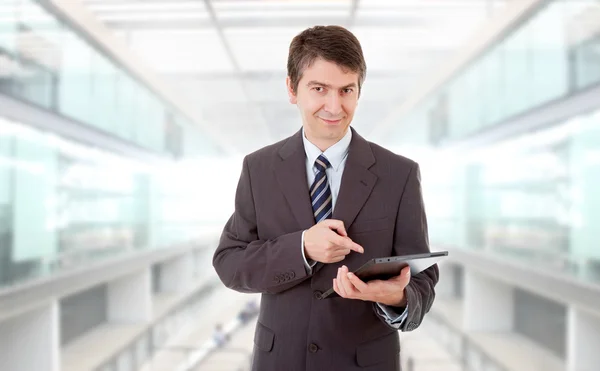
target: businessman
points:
(314, 207)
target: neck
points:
(323, 143)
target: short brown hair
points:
(331, 43)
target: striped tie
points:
(320, 194)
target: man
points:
(219, 336)
(316, 206)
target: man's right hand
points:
(323, 244)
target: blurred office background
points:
(114, 113)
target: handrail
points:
(212, 347)
(22, 297)
(202, 292)
(486, 361)
(558, 286)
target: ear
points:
(292, 96)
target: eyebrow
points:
(328, 86)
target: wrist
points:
(396, 301)
(304, 250)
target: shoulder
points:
(394, 160)
(265, 155)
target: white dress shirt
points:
(337, 155)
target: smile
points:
(331, 122)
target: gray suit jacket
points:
(381, 205)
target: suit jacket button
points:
(317, 295)
(277, 279)
(292, 274)
(313, 348)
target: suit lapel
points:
(290, 171)
(357, 181)
(356, 185)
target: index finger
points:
(347, 243)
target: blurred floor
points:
(235, 356)
(222, 306)
(424, 353)
(508, 349)
(418, 347)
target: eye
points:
(319, 89)
(348, 90)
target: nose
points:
(333, 105)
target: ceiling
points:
(228, 57)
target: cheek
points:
(350, 108)
(310, 106)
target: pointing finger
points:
(353, 246)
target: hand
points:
(388, 292)
(324, 245)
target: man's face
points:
(327, 96)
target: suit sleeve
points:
(411, 237)
(246, 264)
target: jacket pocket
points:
(383, 349)
(372, 225)
(264, 337)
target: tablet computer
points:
(388, 267)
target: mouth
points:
(331, 122)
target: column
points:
(6, 201)
(583, 340)
(446, 287)
(34, 193)
(177, 275)
(130, 298)
(31, 340)
(584, 166)
(488, 304)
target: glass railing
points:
(46, 62)
(139, 351)
(533, 198)
(471, 357)
(551, 55)
(63, 204)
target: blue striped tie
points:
(320, 194)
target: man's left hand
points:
(388, 292)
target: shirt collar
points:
(335, 154)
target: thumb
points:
(404, 275)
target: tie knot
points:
(321, 163)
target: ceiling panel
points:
(399, 49)
(262, 5)
(129, 6)
(146, 17)
(426, 5)
(261, 49)
(230, 59)
(208, 91)
(181, 51)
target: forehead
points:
(329, 73)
